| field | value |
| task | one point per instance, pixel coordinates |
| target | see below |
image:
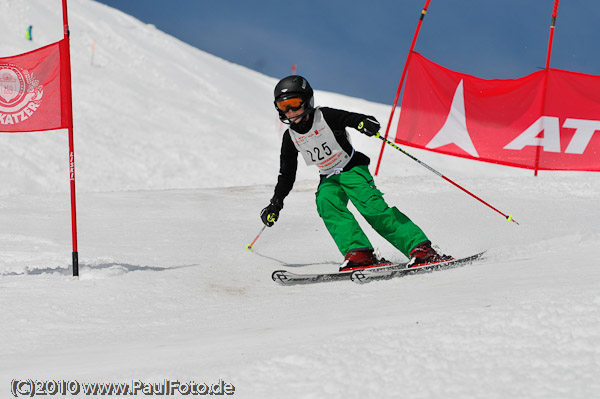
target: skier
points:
(319, 134)
(28, 34)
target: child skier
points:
(319, 134)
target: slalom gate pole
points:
(412, 46)
(251, 245)
(548, 55)
(386, 141)
(551, 38)
(65, 68)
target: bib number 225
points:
(316, 152)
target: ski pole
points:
(508, 218)
(249, 246)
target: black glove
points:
(270, 213)
(369, 126)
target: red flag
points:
(33, 91)
(503, 120)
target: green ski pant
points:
(357, 185)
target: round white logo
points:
(20, 94)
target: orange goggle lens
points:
(294, 104)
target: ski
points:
(284, 277)
(367, 275)
(384, 272)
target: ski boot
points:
(425, 254)
(361, 258)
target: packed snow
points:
(176, 154)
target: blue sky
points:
(359, 48)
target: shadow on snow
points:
(113, 266)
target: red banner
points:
(547, 120)
(34, 91)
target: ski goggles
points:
(294, 104)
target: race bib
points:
(319, 146)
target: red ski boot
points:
(425, 254)
(361, 258)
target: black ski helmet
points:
(293, 86)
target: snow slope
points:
(177, 152)
(151, 112)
